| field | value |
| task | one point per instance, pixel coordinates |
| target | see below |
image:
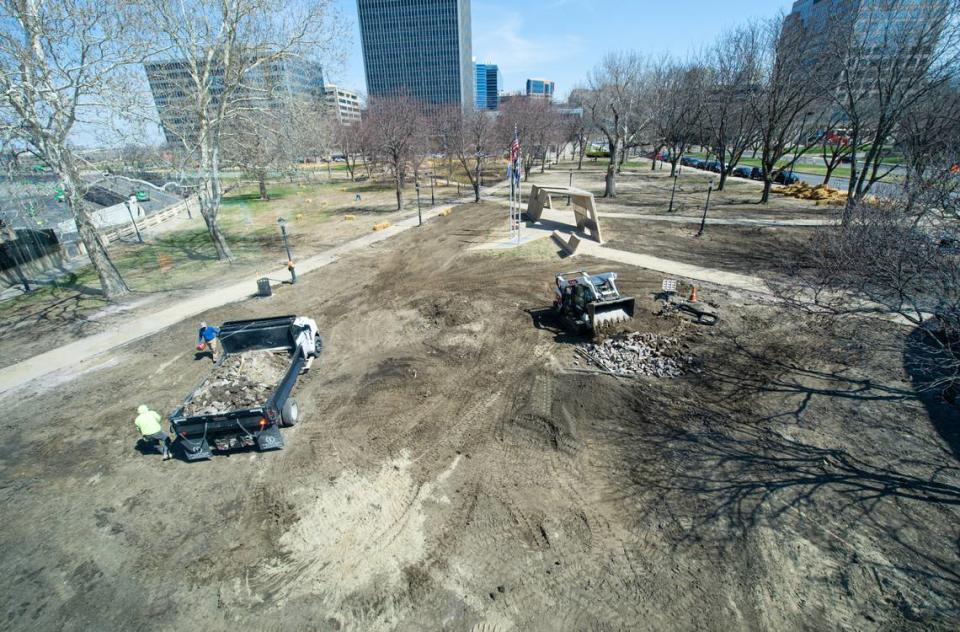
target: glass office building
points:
(540, 88)
(421, 48)
(487, 89)
(265, 85)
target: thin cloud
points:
(504, 42)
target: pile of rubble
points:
(242, 381)
(637, 354)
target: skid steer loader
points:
(590, 303)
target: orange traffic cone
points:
(693, 294)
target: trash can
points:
(263, 287)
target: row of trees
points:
(397, 135)
(870, 78)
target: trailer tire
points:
(290, 413)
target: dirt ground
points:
(451, 471)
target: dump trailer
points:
(198, 431)
(591, 303)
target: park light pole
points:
(703, 221)
(419, 213)
(286, 244)
(673, 193)
(433, 200)
(129, 204)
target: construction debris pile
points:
(821, 194)
(637, 354)
(242, 381)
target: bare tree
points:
(730, 84)
(473, 144)
(678, 100)
(532, 120)
(220, 46)
(792, 72)
(929, 137)
(883, 261)
(614, 105)
(348, 139)
(886, 56)
(254, 141)
(62, 64)
(398, 136)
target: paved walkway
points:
(76, 353)
(675, 268)
(723, 221)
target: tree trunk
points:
(399, 184)
(262, 182)
(610, 181)
(582, 150)
(111, 282)
(723, 179)
(673, 168)
(210, 201)
(826, 178)
(476, 181)
(766, 191)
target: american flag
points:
(515, 155)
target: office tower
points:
(488, 86)
(420, 48)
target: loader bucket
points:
(610, 313)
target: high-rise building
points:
(870, 34)
(421, 48)
(541, 88)
(343, 104)
(488, 85)
(266, 85)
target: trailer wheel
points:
(289, 414)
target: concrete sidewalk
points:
(73, 354)
(720, 221)
(675, 268)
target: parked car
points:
(696, 163)
(713, 165)
(687, 161)
(743, 172)
(786, 177)
(756, 173)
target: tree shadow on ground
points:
(731, 452)
(919, 360)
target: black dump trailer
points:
(197, 435)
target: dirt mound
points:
(242, 381)
(821, 194)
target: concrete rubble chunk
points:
(638, 353)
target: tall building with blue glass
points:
(421, 48)
(487, 88)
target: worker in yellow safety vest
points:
(151, 433)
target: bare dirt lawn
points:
(451, 472)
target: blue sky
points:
(562, 39)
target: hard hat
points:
(142, 408)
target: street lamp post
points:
(673, 193)
(419, 213)
(129, 205)
(571, 186)
(703, 221)
(286, 244)
(433, 200)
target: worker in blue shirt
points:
(207, 338)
